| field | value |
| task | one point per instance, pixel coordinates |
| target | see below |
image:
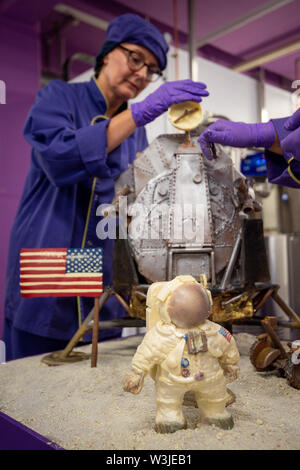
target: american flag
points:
(225, 333)
(61, 272)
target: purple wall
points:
(20, 70)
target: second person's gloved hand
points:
(290, 145)
(167, 94)
(293, 121)
(237, 134)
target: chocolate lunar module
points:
(182, 214)
(191, 216)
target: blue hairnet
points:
(133, 29)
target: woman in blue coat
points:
(280, 138)
(83, 136)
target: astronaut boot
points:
(223, 421)
(214, 412)
(167, 428)
(169, 416)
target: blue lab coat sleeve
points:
(67, 154)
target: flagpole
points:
(95, 333)
(85, 328)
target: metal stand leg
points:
(91, 322)
(67, 356)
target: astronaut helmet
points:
(189, 305)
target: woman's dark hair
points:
(98, 68)
(107, 47)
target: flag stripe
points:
(43, 260)
(41, 253)
(43, 250)
(42, 264)
(58, 285)
(55, 278)
(33, 270)
(62, 294)
(59, 274)
(46, 259)
(60, 289)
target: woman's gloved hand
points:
(236, 134)
(290, 145)
(293, 122)
(167, 94)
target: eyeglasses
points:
(136, 62)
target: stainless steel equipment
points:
(283, 252)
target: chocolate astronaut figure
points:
(184, 352)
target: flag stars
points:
(84, 260)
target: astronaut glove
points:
(133, 381)
(231, 372)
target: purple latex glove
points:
(290, 145)
(167, 94)
(236, 134)
(293, 121)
